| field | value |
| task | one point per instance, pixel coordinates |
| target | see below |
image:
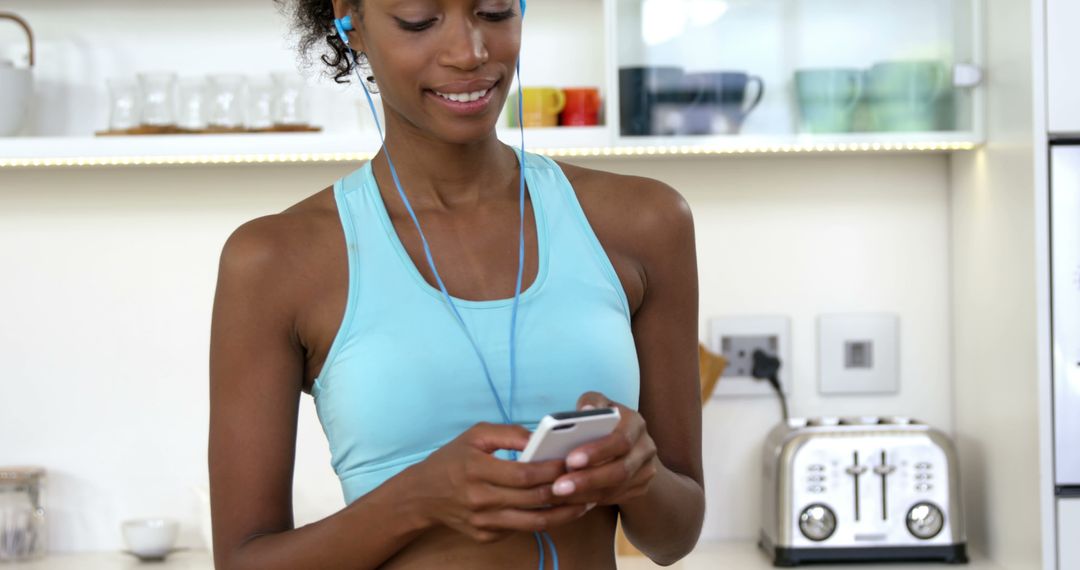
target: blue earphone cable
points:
(345, 24)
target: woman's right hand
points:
(466, 488)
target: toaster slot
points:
(884, 489)
(884, 470)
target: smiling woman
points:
(391, 298)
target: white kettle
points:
(16, 85)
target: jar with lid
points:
(22, 513)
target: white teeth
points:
(463, 97)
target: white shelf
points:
(328, 148)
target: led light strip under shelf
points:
(611, 151)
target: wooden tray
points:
(148, 130)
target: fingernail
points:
(563, 488)
(577, 459)
(588, 407)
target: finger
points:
(485, 467)
(486, 497)
(614, 445)
(491, 437)
(593, 399)
(527, 520)
(608, 496)
(608, 476)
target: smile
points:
(467, 103)
(463, 97)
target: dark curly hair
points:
(312, 20)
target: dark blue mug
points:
(640, 90)
(726, 99)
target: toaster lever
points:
(884, 470)
(855, 470)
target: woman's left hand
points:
(613, 469)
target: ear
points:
(344, 8)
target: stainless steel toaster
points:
(860, 489)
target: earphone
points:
(344, 25)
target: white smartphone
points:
(559, 434)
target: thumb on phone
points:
(593, 400)
(489, 437)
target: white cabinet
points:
(1063, 65)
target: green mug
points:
(915, 95)
(827, 99)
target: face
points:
(444, 67)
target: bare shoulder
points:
(282, 246)
(641, 206)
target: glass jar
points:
(124, 112)
(289, 101)
(158, 99)
(260, 116)
(192, 104)
(226, 102)
(22, 514)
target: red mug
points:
(582, 107)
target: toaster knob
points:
(817, 522)
(925, 520)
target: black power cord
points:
(767, 367)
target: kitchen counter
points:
(707, 556)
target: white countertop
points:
(707, 556)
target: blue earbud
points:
(344, 25)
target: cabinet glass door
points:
(861, 69)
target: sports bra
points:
(401, 379)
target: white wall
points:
(108, 276)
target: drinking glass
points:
(192, 104)
(260, 104)
(226, 108)
(123, 104)
(158, 97)
(290, 101)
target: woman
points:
(334, 296)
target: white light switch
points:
(858, 354)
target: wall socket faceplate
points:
(859, 354)
(736, 337)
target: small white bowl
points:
(150, 538)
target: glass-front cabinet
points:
(802, 73)
(602, 77)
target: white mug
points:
(16, 85)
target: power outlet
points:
(736, 338)
(739, 352)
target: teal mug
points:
(914, 95)
(827, 99)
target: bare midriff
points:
(587, 543)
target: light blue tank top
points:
(401, 379)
